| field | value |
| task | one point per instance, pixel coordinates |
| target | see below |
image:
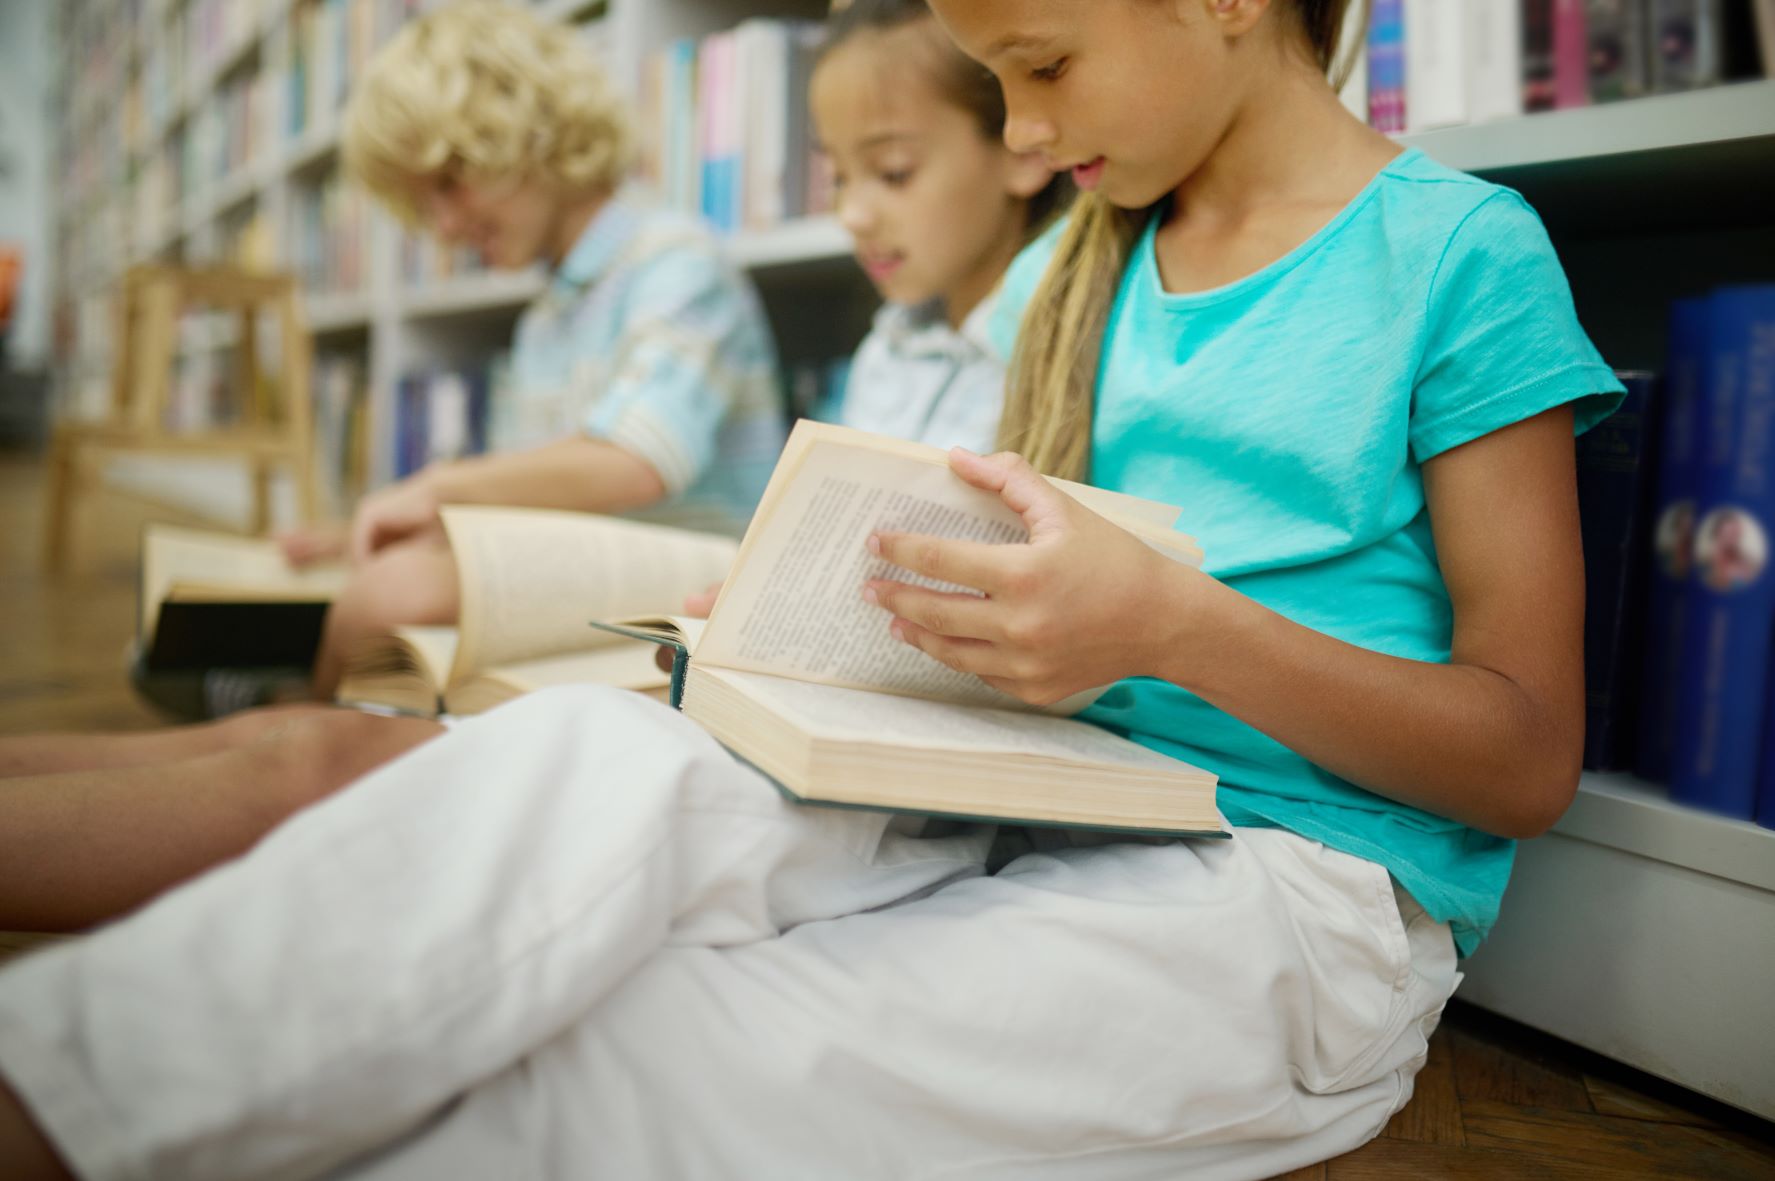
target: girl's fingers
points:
(1041, 505)
(963, 655)
(971, 564)
(945, 614)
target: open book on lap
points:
(797, 675)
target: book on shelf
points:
(1571, 54)
(218, 600)
(1729, 598)
(1685, 44)
(1386, 66)
(341, 452)
(725, 122)
(798, 676)
(529, 580)
(1617, 32)
(445, 414)
(1672, 532)
(1616, 462)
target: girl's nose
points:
(855, 212)
(1027, 132)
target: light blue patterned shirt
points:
(649, 338)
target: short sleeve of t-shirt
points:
(676, 376)
(1502, 342)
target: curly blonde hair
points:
(485, 91)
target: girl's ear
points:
(1026, 174)
(1232, 17)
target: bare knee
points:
(312, 753)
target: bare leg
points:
(307, 544)
(24, 1149)
(411, 582)
(51, 754)
(84, 846)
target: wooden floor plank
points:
(1310, 1173)
(1610, 1097)
(1507, 1072)
(1576, 1138)
(1434, 1114)
(1402, 1160)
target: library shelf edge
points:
(1644, 930)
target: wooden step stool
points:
(274, 428)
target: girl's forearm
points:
(1461, 741)
(583, 474)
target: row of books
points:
(425, 260)
(331, 41)
(330, 235)
(724, 125)
(443, 414)
(1677, 495)
(227, 134)
(1440, 63)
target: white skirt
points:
(573, 939)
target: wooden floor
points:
(1497, 1101)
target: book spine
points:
(1437, 63)
(1495, 84)
(1673, 526)
(1537, 55)
(1616, 32)
(1615, 463)
(1731, 607)
(1386, 66)
(1685, 50)
(1571, 55)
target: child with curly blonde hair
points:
(643, 378)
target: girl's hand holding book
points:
(1083, 603)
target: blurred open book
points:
(529, 578)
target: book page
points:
(194, 565)
(795, 606)
(531, 578)
(878, 719)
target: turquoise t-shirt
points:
(1290, 413)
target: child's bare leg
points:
(24, 1149)
(410, 582)
(307, 544)
(84, 846)
(52, 754)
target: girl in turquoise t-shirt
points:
(573, 938)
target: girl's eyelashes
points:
(1050, 72)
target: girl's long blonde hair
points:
(1050, 395)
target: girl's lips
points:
(1086, 176)
(880, 267)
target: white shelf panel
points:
(1637, 817)
(311, 147)
(810, 239)
(1720, 114)
(472, 293)
(337, 311)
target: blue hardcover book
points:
(1673, 527)
(1615, 463)
(1724, 664)
(412, 431)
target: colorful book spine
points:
(1538, 93)
(1673, 530)
(1615, 466)
(1724, 663)
(1571, 55)
(1386, 66)
(1619, 66)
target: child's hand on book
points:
(1082, 604)
(396, 513)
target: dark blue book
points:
(1673, 526)
(1723, 668)
(1615, 491)
(412, 424)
